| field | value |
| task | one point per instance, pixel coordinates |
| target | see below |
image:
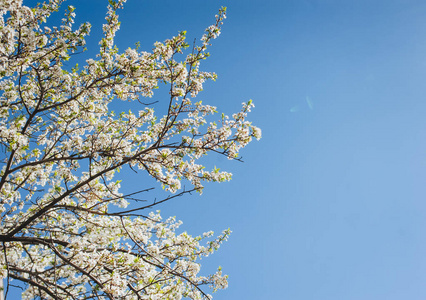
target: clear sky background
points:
(330, 204)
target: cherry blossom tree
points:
(67, 232)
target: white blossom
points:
(67, 229)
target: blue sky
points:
(330, 204)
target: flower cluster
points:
(140, 258)
(66, 229)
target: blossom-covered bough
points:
(66, 230)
